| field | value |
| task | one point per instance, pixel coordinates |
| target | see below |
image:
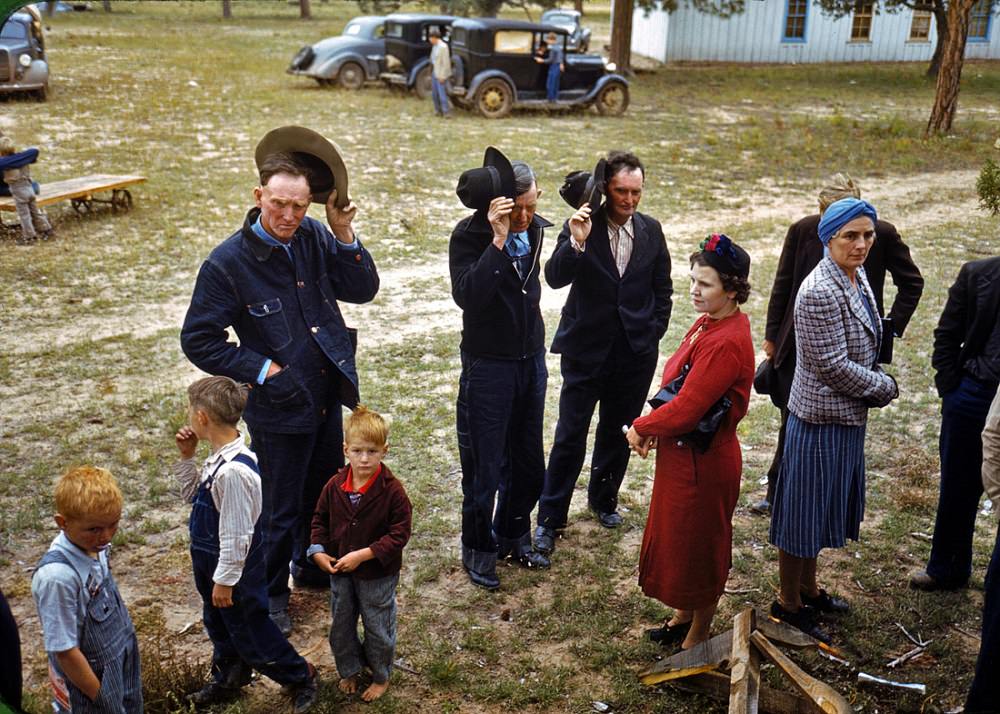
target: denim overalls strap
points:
(107, 640)
(204, 522)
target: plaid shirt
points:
(836, 378)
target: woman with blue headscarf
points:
(820, 494)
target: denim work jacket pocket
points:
(271, 324)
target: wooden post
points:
(305, 11)
(744, 687)
(227, 8)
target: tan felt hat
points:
(320, 155)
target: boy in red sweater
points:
(361, 524)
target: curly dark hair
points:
(730, 283)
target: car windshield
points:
(13, 30)
(559, 20)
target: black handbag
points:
(701, 437)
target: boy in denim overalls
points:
(93, 652)
(226, 551)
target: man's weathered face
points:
(624, 193)
(525, 206)
(283, 203)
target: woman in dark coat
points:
(687, 545)
(819, 497)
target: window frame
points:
(785, 37)
(923, 15)
(855, 17)
(986, 14)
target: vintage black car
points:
(408, 49)
(494, 70)
(23, 66)
(569, 20)
(349, 60)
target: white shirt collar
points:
(226, 453)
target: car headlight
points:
(610, 66)
(24, 60)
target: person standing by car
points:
(276, 282)
(617, 265)
(493, 260)
(440, 73)
(554, 59)
(802, 252)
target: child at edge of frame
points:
(34, 221)
(93, 653)
(227, 552)
(361, 524)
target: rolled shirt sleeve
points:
(55, 589)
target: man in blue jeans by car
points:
(493, 258)
(276, 283)
(554, 59)
(440, 73)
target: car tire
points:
(494, 98)
(423, 86)
(612, 100)
(351, 76)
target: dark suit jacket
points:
(802, 252)
(967, 338)
(599, 298)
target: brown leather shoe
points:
(922, 580)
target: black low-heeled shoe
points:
(667, 635)
(824, 602)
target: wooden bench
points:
(80, 192)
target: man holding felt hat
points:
(493, 259)
(276, 282)
(617, 265)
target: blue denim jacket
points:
(282, 310)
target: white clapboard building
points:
(789, 31)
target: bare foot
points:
(376, 690)
(348, 685)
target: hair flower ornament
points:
(721, 245)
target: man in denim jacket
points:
(276, 283)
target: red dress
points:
(687, 545)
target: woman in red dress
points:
(687, 546)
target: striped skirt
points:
(819, 499)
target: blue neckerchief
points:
(262, 233)
(517, 244)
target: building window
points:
(795, 20)
(979, 21)
(920, 26)
(861, 25)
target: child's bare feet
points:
(348, 685)
(376, 690)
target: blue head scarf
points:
(839, 213)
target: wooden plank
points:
(80, 187)
(785, 634)
(743, 681)
(826, 697)
(771, 701)
(713, 652)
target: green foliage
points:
(988, 187)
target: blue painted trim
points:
(805, 25)
(989, 27)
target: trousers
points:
(374, 601)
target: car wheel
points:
(424, 84)
(351, 76)
(494, 98)
(612, 100)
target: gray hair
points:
(524, 177)
(840, 186)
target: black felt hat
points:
(317, 153)
(477, 187)
(582, 187)
(725, 256)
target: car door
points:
(514, 54)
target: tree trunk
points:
(107, 5)
(305, 12)
(621, 35)
(50, 8)
(950, 75)
(941, 22)
(578, 6)
(227, 8)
